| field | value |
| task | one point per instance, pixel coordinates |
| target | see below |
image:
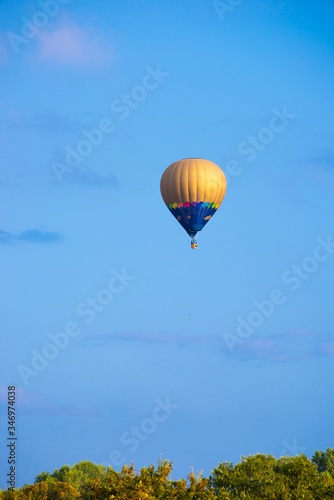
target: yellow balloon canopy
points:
(193, 189)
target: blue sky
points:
(202, 356)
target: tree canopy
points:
(255, 477)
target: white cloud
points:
(72, 45)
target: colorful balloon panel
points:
(193, 189)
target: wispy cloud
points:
(297, 333)
(37, 236)
(30, 236)
(4, 237)
(266, 349)
(74, 46)
(318, 169)
(326, 349)
(46, 121)
(92, 179)
(33, 402)
(285, 347)
(155, 338)
(324, 160)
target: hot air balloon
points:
(193, 189)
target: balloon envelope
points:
(193, 189)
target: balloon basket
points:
(193, 243)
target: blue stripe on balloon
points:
(192, 218)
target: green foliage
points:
(7, 495)
(44, 477)
(62, 490)
(76, 475)
(257, 477)
(149, 483)
(55, 490)
(28, 492)
(264, 477)
(324, 461)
